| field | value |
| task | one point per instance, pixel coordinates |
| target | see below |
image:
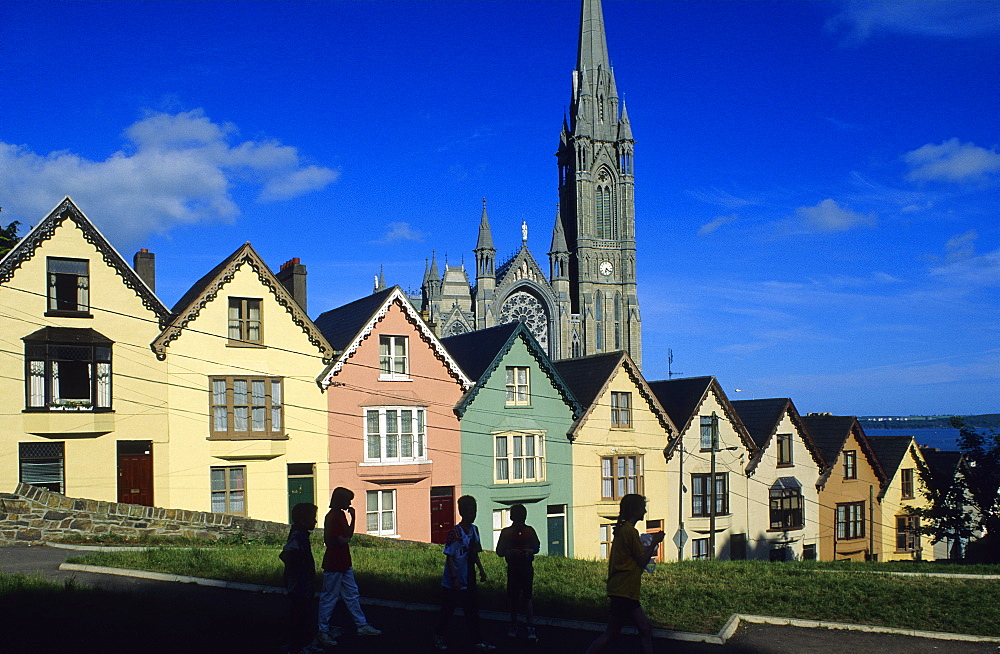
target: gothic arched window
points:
(604, 206)
(618, 321)
(599, 320)
(457, 328)
(527, 308)
(577, 346)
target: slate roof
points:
(680, 398)
(476, 351)
(761, 417)
(342, 324)
(588, 375)
(943, 465)
(890, 451)
(831, 433)
(479, 353)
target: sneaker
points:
(439, 643)
(485, 647)
(368, 630)
(326, 638)
(532, 636)
(512, 632)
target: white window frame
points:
(390, 359)
(518, 389)
(607, 536)
(512, 462)
(384, 506)
(398, 445)
(501, 519)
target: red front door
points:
(135, 472)
(442, 512)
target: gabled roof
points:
(683, 397)
(505, 277)
(590, 376)
(208, 288)
(347, 326)
(890, 451)
(831, 433)
(762, 418)
(481, 352)
(43, 231)
(944, 466)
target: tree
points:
(974, 483)
(8, 237)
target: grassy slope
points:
(690, 596)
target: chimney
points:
(144, 264)
(293, 277)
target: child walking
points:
(300, 577)
(462, 549)
(625, 564)
(518, 544)
(338, 574)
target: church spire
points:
(593, 50)
(485, 241)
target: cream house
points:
(618, 446)
(783, 499)
(713, 445)
(247, 421)
(84, 393)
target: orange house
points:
(394, 438)
(850, 508)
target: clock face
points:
(606, 268)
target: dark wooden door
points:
(442, 512)
(135, 472)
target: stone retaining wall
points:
(30, 515)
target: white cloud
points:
(829, 216)
(961, 246)
(974, 271)
(716, 223)
(951, 161)
(400, 231)
(720, 198)
(958, 19)
(174, 169)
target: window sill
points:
(62, 313)
(249, 437)
(785, 465)
(248, 344)
(775, 530)
(394, 378)
(516, 406)
(68, 409)
(622, 427)
(82, 424)
(394, 463)
(407, 472)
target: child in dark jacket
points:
(300, 577)
(518, 544)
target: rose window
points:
(526, 308)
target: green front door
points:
(300, 489)
(557, 535)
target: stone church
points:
(587, 302)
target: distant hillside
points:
(984, 421)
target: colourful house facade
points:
(393, 436)
(618, 445)
(712, 445)
(515, 424)
(247, 423)
(83, 391)
(902, 459)
(849, 508)
(783, 497)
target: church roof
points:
(558, 237)
(485, 240)
(592, 52)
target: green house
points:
(514, 422)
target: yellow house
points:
(618, 446)
(712, 441)
(901, 539)
(850, 513)
(84, 395)
(247, 421)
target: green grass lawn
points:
(696, 596)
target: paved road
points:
(138, 615)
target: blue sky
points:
(817, 183)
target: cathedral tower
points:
(596, 198)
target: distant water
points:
(943, 439)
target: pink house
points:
(394, 436)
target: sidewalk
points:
(161, 616)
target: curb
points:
(727, 631)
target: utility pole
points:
(711, 481)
